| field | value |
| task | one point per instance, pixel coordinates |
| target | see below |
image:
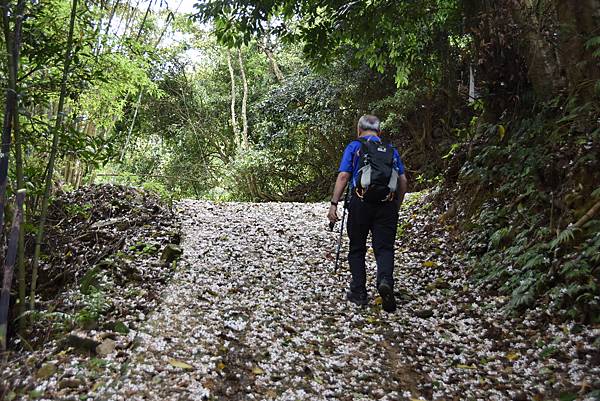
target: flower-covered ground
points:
(255, 311)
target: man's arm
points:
(402, 188)
(338, 190)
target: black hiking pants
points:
(381, 219)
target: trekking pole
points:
(339, 242)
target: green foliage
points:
(594, 45)
(81, 211)
(142, 248)
(409, 38)
(94, 305)
(529, 191)
(565, 236)
(59, 322)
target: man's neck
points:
(367, 133)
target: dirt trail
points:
(254, 312)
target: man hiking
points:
(377, 188)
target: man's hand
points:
(340, 184)
(332, 214)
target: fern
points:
(565, 236)
(593, 42)
(586, 297)
(581, 271)
(531, 259)
(498, 237)
(524, 294)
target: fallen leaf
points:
(429, 263)
(47, 370)
(180, 364)
(96, 386)
(513, 356)
(460, 366)
(501, 131)
(220, 366)
(257, 371)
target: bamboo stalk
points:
(588, 216)
(13, 46)
(236, 130)
(9, 264)
(21, 271)
(51, 161)
(245, 143)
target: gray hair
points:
(369, 122)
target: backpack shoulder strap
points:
(363, 145)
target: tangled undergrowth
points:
(100, 265)
(527, 193)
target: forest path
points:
(254, 312)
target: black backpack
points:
(377, 179)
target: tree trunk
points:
(130, 16)
(274, 65)
(51, 160)
(21, 272)
(9, 264)
(579, 21)
(111, 16)
(130, 131)
(67, 169)
(236, 132)
(543, 69)
(137, 37)
(245, 143)
(13, 47)
(267, 48)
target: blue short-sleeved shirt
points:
(349, 163)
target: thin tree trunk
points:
(21, 272)
(274, 65)
(139, 100)
(244, 102)
(81, 169)
(137, 37)
(9, 264)
(13, 46)
(131, 12)
(51, 160)
(111, 16)
(130, 131)
(267, 48)
(67, 169)
(236, 131)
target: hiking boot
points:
(357, 299)
(388, 302)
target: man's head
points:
(368, 123)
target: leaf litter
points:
(254, 312)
